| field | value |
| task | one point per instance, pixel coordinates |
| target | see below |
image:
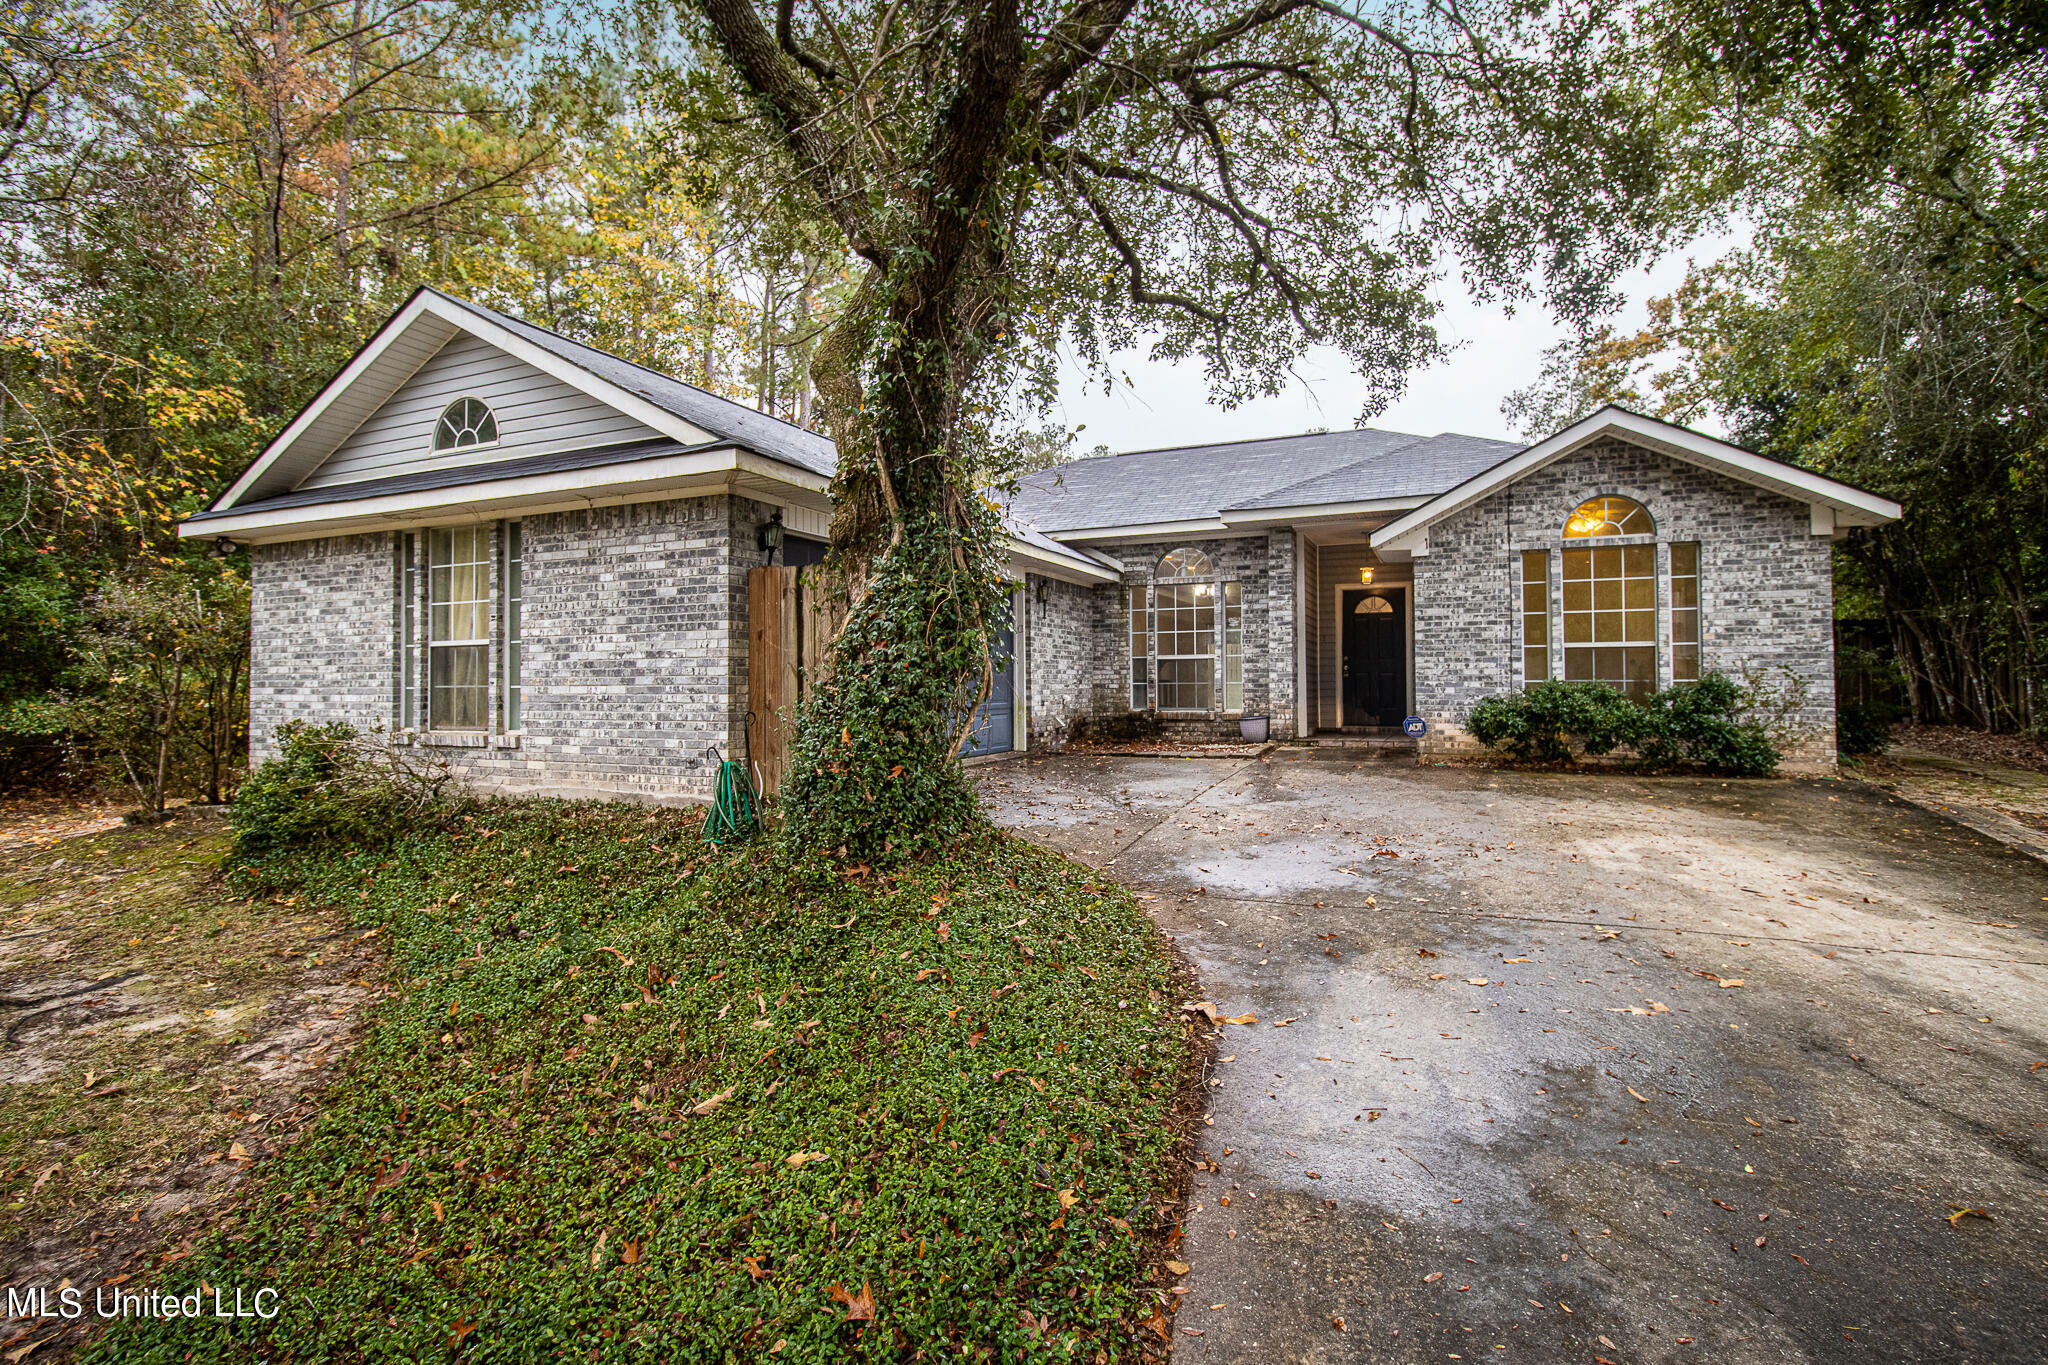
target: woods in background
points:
(1889, 324)
(206, 208)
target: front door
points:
(995, 723)
(1375, 656)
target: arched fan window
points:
(1372, 606)
(1185, 563)
(464, 423)
(1609, 516)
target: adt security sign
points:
(1415, 727)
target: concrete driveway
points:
(1586, 1068)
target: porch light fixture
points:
(223, 547)
(1365, 575)
(771, 534)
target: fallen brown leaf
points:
(859, 1307)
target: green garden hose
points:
(735, 809)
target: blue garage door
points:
(995, 724)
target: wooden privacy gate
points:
(791, 620)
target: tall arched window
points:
(464, 423)
(1185, 563)
(1610, 598)
(1609, 516)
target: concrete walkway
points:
(1591, 1068)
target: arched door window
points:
(464, 423)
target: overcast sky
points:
(1166, 405)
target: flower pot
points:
(1254, 728)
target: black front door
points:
(1375, 656)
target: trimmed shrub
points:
(1538, 724)
(1700, 725)
(331, 787)
(1703, 725)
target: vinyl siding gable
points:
(537, 414)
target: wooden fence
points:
(791, 620)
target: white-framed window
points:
(465, 423)
(514, 578)
(1186, 616)
(408, 631)
(1685, 611)
(458, 627)
(1535, 608)
(1137, 632)
(1233, 647)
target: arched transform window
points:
(1609, 516)
(466, 422)
(1185, 563)
(1372, 605)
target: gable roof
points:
(1243, 482)
(426, 322)
(1836, 504)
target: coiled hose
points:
(735, 807)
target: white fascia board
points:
(1851, 506)
(426, 303)
(637, 481)
(1028, 558)
(1204, 529)
(1267, 516)
(394, 327)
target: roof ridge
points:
(1220, 445)
(497, 315)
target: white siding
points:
(536, 413)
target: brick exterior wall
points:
(1766, 586)
(1078, 661)
(1071, 667)
(634, 649)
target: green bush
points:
(1537, 725)
(1699, 725)
(331, 787)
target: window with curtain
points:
(458, 627)
(1610, 617)
(1685, 611)
(1186, 621)
(1535, 616)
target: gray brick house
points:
(531, 556)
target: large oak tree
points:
(1233, 182)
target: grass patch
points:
(633, 1099)
(130, 987)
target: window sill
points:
(453, 739)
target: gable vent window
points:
(465, 423)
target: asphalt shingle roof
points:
(1198, 483)
(1430, 466)
(553, 462)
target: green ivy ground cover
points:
(634, 1099)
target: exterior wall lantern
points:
(771, 534)
(1365, 575)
